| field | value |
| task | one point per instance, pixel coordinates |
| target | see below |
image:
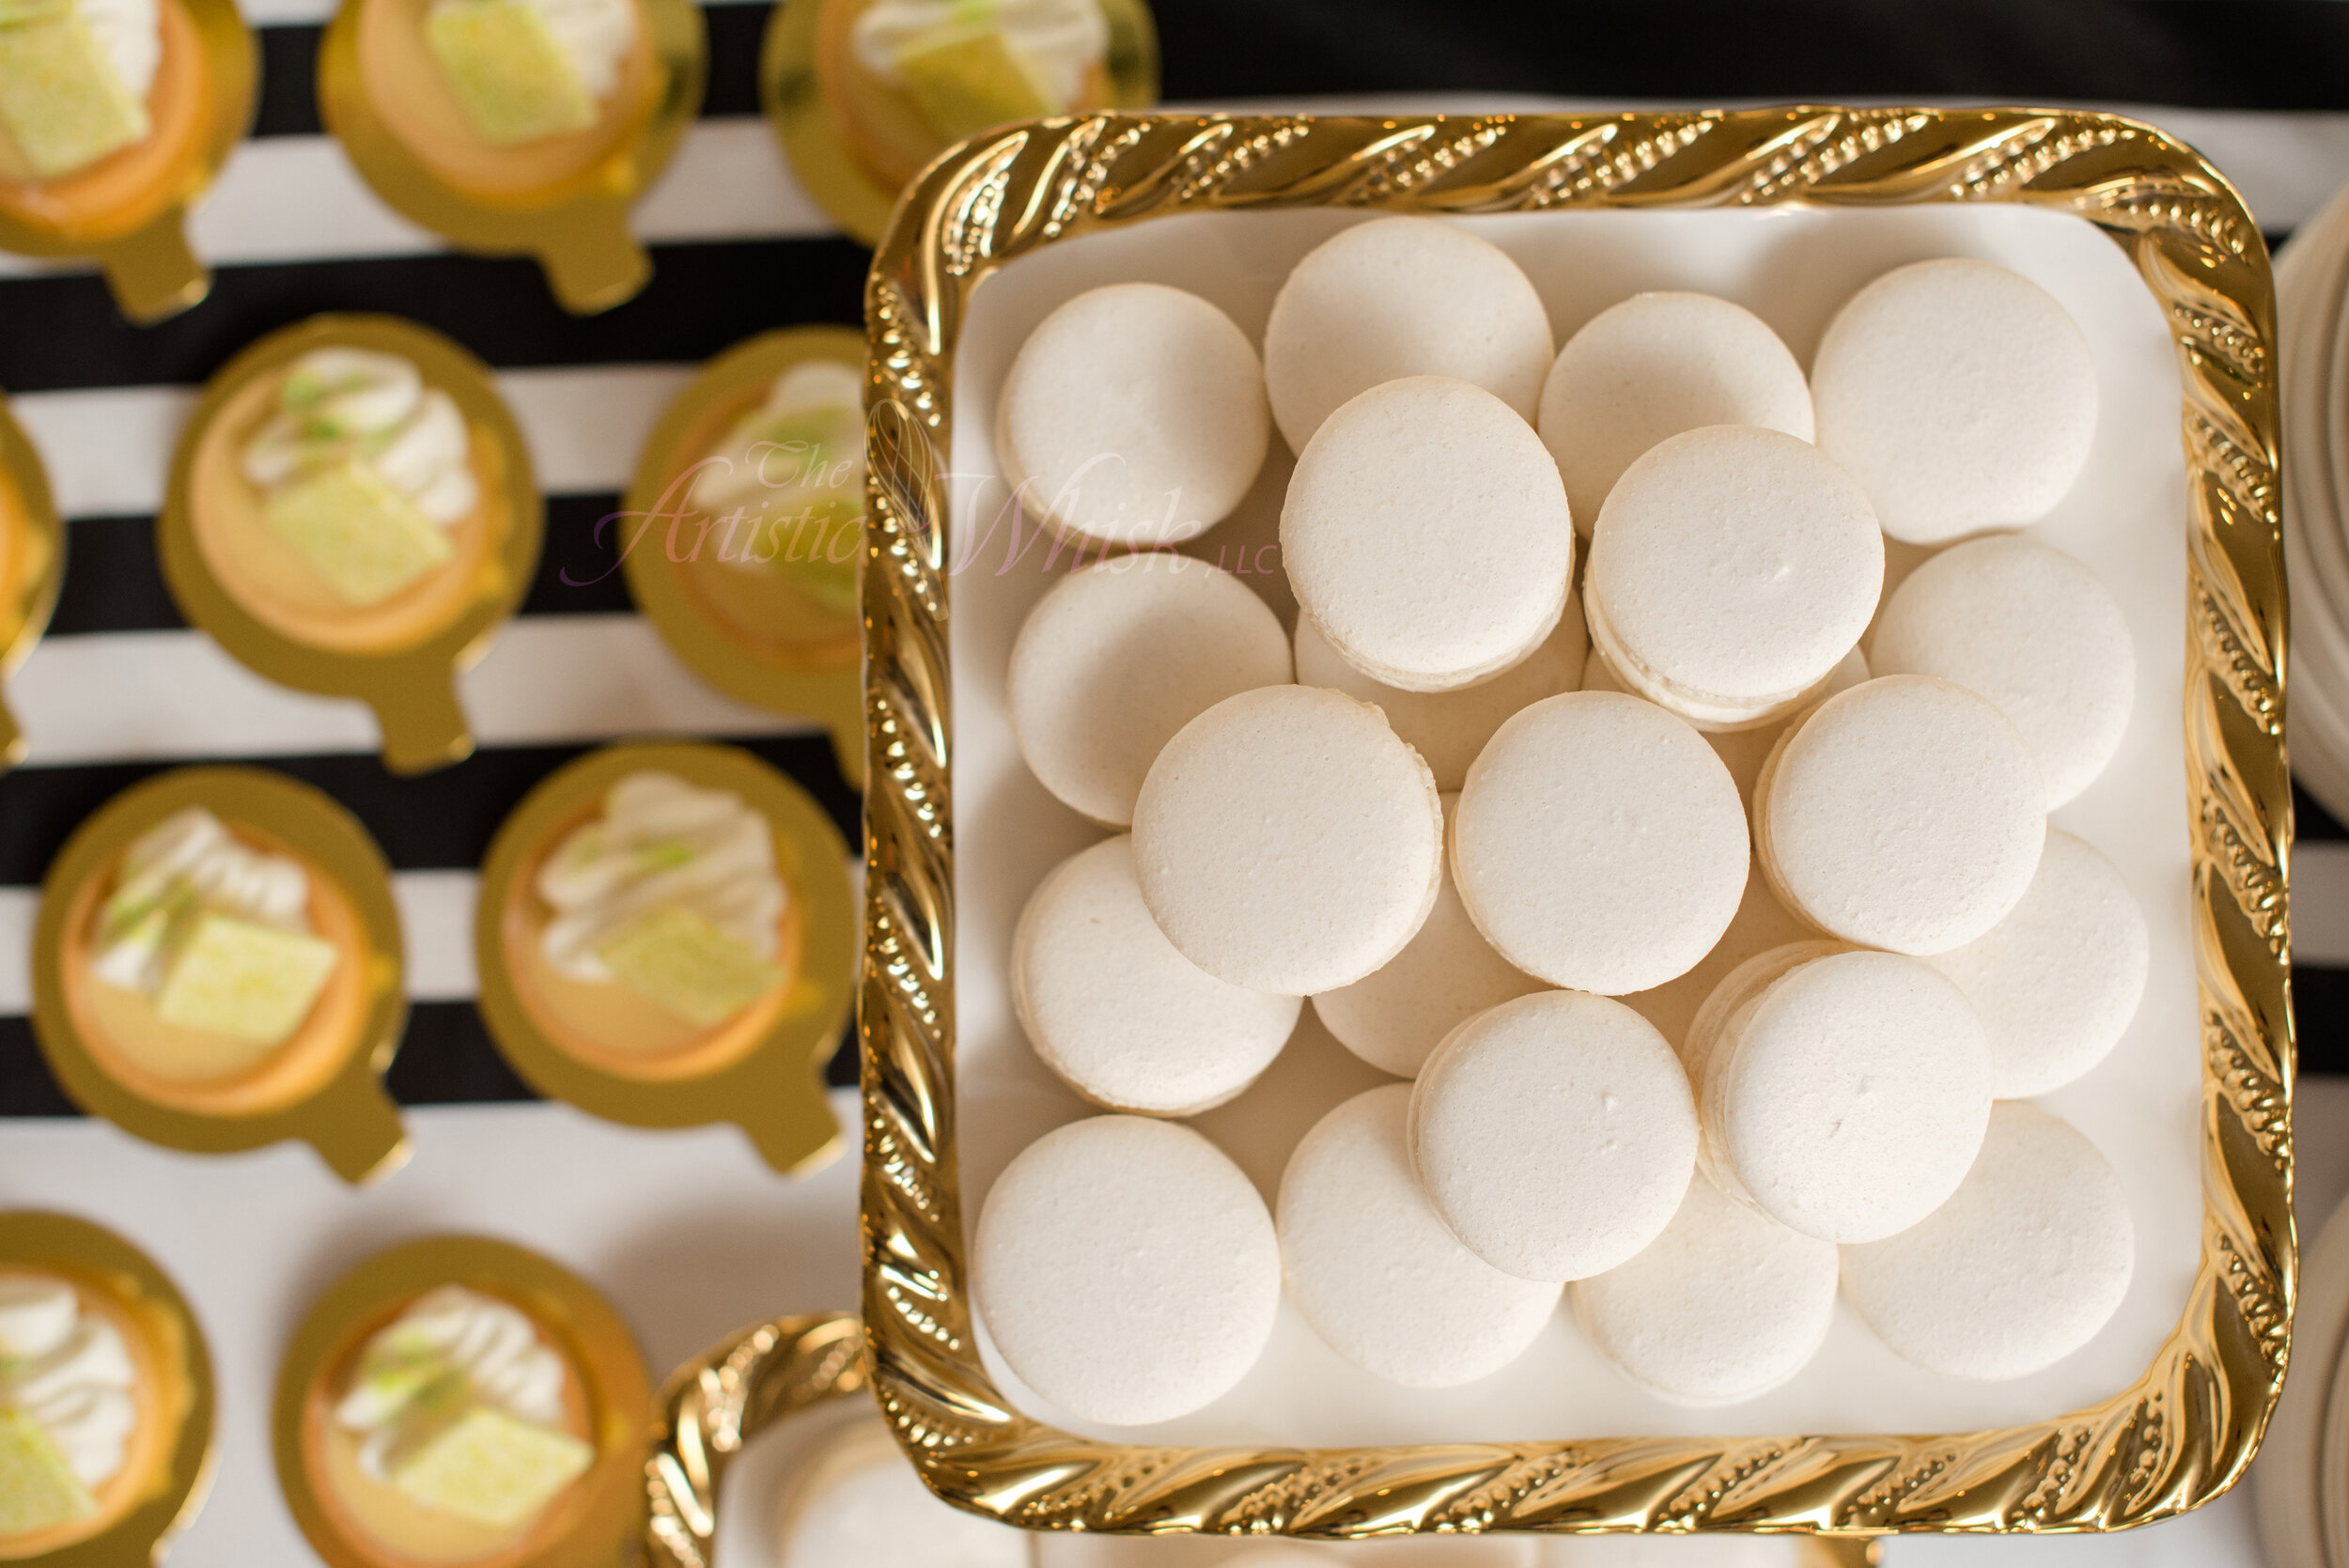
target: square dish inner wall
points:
(2130, 518)
(2125, 518)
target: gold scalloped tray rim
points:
(412, 689)
(2185, 1431)
(774, 1091)
(580, 233)
(23, 619)
(38, 1237)
(834, 697)
(348, 1119)
(601, 1349)
(819, 154)
(150, 268)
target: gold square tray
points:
(2178, 1438)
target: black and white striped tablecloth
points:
(122, 688)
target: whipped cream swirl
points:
(1059, 40)
(452, 1348)
(71, 1370)
(340, 404)
(660, 843)
(130, 34)
(183, 865)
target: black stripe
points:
(444, 1059)
(289, 104)
(2278, 54)
(703, 298)
(2319, 1017)
(2312, 821)
(114, 583)
(437, 821)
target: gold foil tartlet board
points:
(775, 1090)
(576, 229)
(585, 1327)
(835, 696)
(32, 563)
(100, 1259)
(2183, 1432)
(412, 688)
(142, 249)
(851, 195)
(346, 1115)
(719, 1401)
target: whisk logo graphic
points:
(807, 506)
(1002, 523)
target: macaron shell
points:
(1959, 394)
(1287, 842)
(1395, 1019)
(1733, 567)
(1448, 728)
(1117, 1013)
(1599, 844)
(2034, 630)
(1126, 1269)
(1134, 414)
(1398, 297)
(1116, 657)
(1554, 1135)
(2056, 982)
(1656, 365)
(1376, 1273)
(1848, 1098)
(1726, 1304)
(1425, 533)
(1904, 814)
(2022, 1266)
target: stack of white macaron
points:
(2312, 289)
(1714, 973)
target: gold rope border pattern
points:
(2178, 1438)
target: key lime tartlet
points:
(347, 502)
(215, 969)
(655, 935)
(85, 1404)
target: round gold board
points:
(676, 573)
(402, 658)
(564, 199)
(761, 1070)
(322, 1084)
(127, 212)
(32, 563)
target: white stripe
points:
(547, 680)
(297, 198)
(2320, 903)
(435, 925)
(108, 450)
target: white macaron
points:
(1374, 1270)
(1652, 367)
(1398, 297)
(1125, 1019)
(1731, 570)
(1425, 533)
(1959, 394)
(2025, 1262)
(1726, 1304)
(1395, 1019)
(1134, 414)
(1554, 1134)
(1448, 728)
(1904, 814)
(1599, 843)
(1843, 1093)
(2058, 979)
(1126, 1269)
(2031, 628)
(1118, 657)
(1287, 842)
